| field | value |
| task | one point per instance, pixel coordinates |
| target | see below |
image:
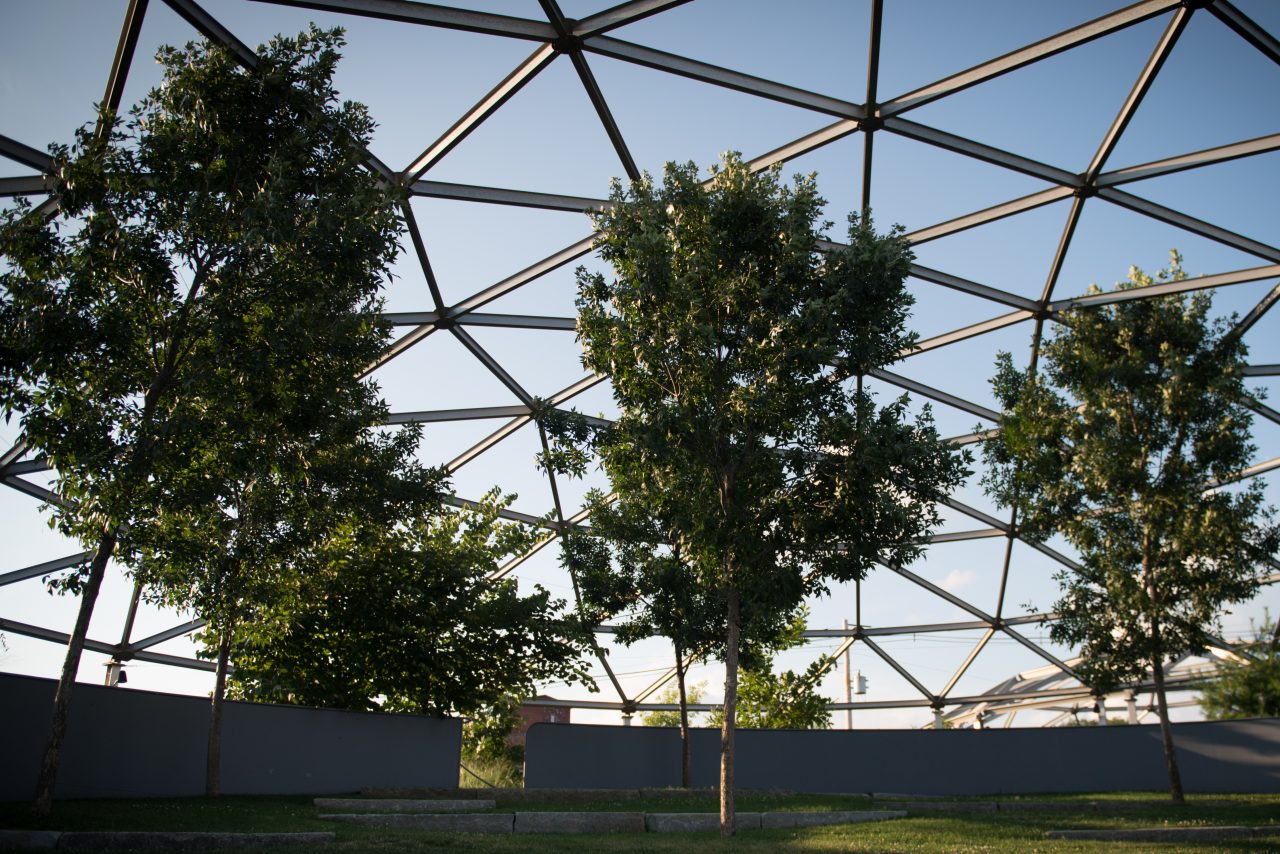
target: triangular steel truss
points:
(553, 37)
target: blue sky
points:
(1215, 89)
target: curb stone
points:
(579, 822)
(464, 822)
(684, 822)
(16, 840)
(119, 840)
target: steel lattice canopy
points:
(1027, 149)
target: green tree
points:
(678, 717)
(787, 700)
(735, 346)
(1248, 685)
(234, 543)
(443, 636)
(1137, 411)
(488, 756)
(215, 262)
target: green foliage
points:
(1138, 408)
(487, 729)
(211, 287)
(735, 347)
(693, 695)
(406, 618)
(787, 700)
(1248, 685)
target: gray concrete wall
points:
(128, 743)
(1219, 756)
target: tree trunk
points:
(213, 760)
(70, 666)
(684, 720)
(727, 821)
(1166, 732)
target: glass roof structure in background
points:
(1027, 149)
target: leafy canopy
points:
(1248, 684)
(733, 343)
(1138, 409)
(407, 618)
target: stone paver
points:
(579, 822)
(28, 840)
(685, 822)
(403, 805)
(181, 841)
(463, 822)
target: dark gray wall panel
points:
(126, 743)
(1220, 756)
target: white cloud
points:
(958, 578)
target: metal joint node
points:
(1086, 191)
(446, 323)
(870, 123)
(567, 44)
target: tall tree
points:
(1119, 442)
(734, 345)
(214, 267)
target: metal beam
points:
(26, 155)
(500, 196)
(123, 60)
(960, 536)
(525, 276)
(987, 292)
(1055, 267)
(1189, 223)
(427, 14)
(400, 345)
(506, 321)
(11, 456)
(1255, 314)
(45, 568)
(1146, 77)
(440, 415)
(803, 145)
(485, 107)
(30, 185)
(1197, 283)
(1247, 29)
(966, 332)
(717, 76)
(1042, 49)
(991, 214)
(936, 394)
(967, 663)
(212, 29)
(1194, 160)
(902, 671)
(980, 151)
(420, 250)
(493, 365)
(504, 513)
(1262, 370)
(160, 637)
(621, 15)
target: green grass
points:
(930, 832)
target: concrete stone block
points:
(684, 822)
(28, 840)
(579, 822)
(180, 841)
(467, 822)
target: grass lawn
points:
(927, 832)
